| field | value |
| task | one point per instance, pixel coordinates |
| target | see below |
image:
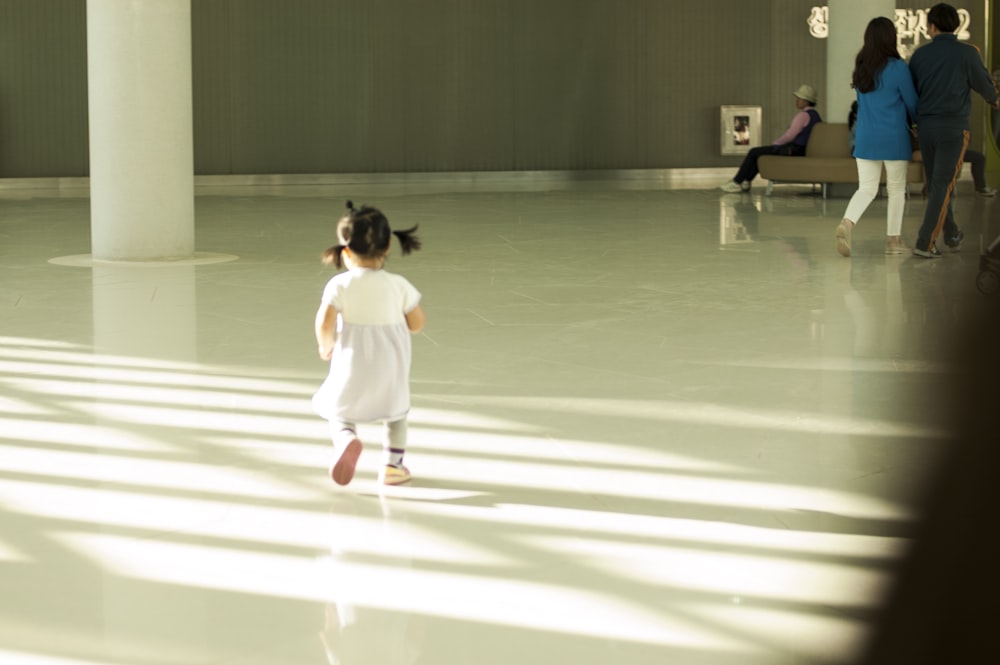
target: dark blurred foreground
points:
(945, 606)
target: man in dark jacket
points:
(944, 72)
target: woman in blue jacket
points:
(886, 97)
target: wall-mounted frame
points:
(739, 129)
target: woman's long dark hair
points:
(880, 45)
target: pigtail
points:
(333, 256)
(408, 240)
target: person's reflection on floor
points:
(738, 219)
(356, 634)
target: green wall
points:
(312, 86)
(43, 88)
(361, 86)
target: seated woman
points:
(792, 142)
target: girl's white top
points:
(369, 377)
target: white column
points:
(847, 22)
(141, 153)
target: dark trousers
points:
(942, 149)
(748, 169)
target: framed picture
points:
(739, 129)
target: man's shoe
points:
(932, 253)
(955, 241)
(732, 187)
(986, 191)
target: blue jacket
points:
(882, 128)
(944, 70)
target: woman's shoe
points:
(894, 245)
(844, 237)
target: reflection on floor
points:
(649, 426)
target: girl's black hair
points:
(365, 231)
(880, 45)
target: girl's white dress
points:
(369, 377)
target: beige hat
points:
(806, 92)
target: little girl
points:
(363, 328)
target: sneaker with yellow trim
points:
(393, 475)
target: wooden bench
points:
(827, 160)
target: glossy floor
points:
(648, 426)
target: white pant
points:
(393, 436)
(869, 174)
